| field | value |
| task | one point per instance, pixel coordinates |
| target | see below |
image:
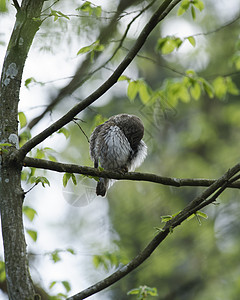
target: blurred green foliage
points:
(192, 130)
(191, 120)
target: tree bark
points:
(18, 277)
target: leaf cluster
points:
(143, 292)
(190, 4)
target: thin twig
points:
(219, 28)
(50, 6)
(31, 188)
(74, 121)
(15, 2)
(123, 37)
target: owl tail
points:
(102, 186)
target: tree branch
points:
(18, 277)
(15, 2)
(190, 209)
(71, 168)
(160, 14)
(81, 74)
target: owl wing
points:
(94, 148)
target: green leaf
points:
(22, 119)
(101, 260)
(24, 175)
(96, 260)
(66, 177)
(60, 296)
(67, 286)
(65, 132)
(236, 61)
(193, 13)
(231, 86)
(144, 92)
(97, 11)
(33, 234)
(134, 292)
(220, 87)
(107, 260)
(123, 77)
(191, 217)
(84, 50)
(5, 145)
(181, 11)
(70, 250)
(183, 7)
(28, 81)
(202, 214)
(2, 272)
(183, 94)
(86, 7)
(207, 87)
(62, 15)
(158, 229)
(52, 284)
(51, 157)
(3, 7)
(192, 41)
(177, 213)
(169, 46)
(29, 212)
(58, 14)
(48, 153)
(166, 218)
(191, 73)
(132, 90)
(96, 46)
(143, 292)
(40, 154)
(99, 48)
(55, 256)
(198, 4)
(195, 90)
(197, 215)
(178, 42)
(24, 137)
(151, 291)
(74, 180)
(40, 179)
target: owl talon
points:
(123, 170)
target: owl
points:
(117, 145)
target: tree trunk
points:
(18, 278)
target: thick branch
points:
(15, 2)
(18, 278)
(162, 11)
(71, 168)
(170, 225)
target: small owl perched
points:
(117, 145)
